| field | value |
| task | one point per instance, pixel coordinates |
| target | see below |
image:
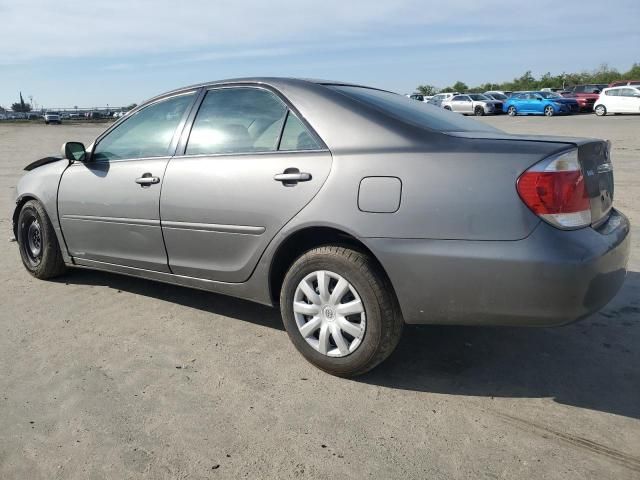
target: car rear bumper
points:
(552, 277)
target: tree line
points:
(602, 74)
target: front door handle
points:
(147, 179)
(291, 176)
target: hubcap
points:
(329, 313)
(34, 241)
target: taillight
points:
(555, 190)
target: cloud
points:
(33, 29)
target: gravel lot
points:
(111, 377)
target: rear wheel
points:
(512, 111)
(478, 111)
(339, 310)
(38, 243)
(600, 110)
(549, 111)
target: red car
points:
(586, 95)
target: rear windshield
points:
(410, 111)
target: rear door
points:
(248, 164)
(109, 206)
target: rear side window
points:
(148, 133)
(237, 120)
(612, 93)
(295, 136)
(409, 111)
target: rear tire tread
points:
(391, 318)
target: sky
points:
(90, 53)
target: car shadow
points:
(206, 301)
(594, 363)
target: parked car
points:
(420, 97)
(441, 97)
(506, 93)
(622, 83)
(496, 96)
(586, 95)
(540, 103)
(618, 100)
(52, 117)
(354, 209)
(473, 104)
(552, 89)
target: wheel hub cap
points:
(329, 313)
(34, 240)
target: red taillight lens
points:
(555, 190)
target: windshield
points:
(417, 113)
(549, 94)
(479, 97)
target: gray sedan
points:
(354, 209)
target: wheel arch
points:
(303, 240)
(20, 201)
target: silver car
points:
(354, 209)
(473, 104)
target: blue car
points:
(539, 103)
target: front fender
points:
(41, 184)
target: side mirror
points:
(73, 151)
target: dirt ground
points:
(109, 377)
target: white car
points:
(473, 104)
(52, 117)
(441, 97)
(618, 100)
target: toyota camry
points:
(353, 209)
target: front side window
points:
(148, 133)
(237, 120)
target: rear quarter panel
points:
(457, 188)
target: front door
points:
(249, 165)
(109, 205)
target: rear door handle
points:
(291, 176)
(147, 179)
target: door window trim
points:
(289, 108)
(171, 149)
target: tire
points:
(478, 111)
(379, 324)
(600, 110)
(38, 243)
(511, 111)
(46, 123)
(447, 108)
(549, 111)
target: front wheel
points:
(549, 111)
(340, 311)
(38, 243)
(600, 110)
(447, 108)
(512, 111)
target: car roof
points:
(276, 82)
